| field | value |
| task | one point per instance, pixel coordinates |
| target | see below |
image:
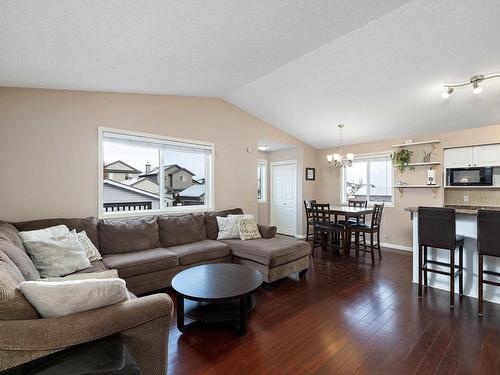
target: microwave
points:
(481, 176)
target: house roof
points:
(131, 189)
(195, 191)
(128, 168)
(154, 171)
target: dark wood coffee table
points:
(214, 293)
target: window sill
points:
(173, 210)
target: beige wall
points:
(48, 146)
(396, 225)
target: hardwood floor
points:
(348, 317)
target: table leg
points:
(180, 313)
(243, 316)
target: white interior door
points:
(284, 196)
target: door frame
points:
(271, 194)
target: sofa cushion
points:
(141, 262)
(211, 226)
(182, 229)
(13, 305)
(200, 251)
(12, 246)
(270, 252)
(117, 236)
(89, 225)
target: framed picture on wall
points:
(310, 174)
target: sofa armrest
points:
(38, 337)
(267, 231)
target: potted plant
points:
(401, 159)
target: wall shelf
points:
(424, 164)
(432, 143)
(472, 187)
(434, 188)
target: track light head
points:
(446, 94)
(476, 88)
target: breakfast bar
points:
(466, 226)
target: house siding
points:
(113, 194)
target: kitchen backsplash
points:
(472, 197)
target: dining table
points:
(347, 212)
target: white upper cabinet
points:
(458, 157)
(486, 156)
(476, 156)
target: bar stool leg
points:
(452, 278)
(356, 242)
(424, 265)
(461, 270)
(480, 286)
(419, 271)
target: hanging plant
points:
(401, 159)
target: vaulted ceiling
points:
(302, 65)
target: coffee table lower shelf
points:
(235, 310)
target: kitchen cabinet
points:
(474, 156)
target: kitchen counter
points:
(466, 226)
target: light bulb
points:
(477, 89)
(329, 158)
(446, 94)
(336, 157)
(350, 156)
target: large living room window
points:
(142, 173)
(370, 178)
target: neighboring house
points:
(121, 197)
(144, 183)
(177, 178)
(193, 195)
(120, 171)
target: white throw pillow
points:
(91, 251)
(53, 299)
(57, 256)
(248, 229)
(43, 234)
(242, 216)
(109, 274)
(228, 229)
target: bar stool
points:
(488, 244)
(309, 218)
(324, 227)
(437, 229)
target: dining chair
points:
(488, 244)
(360, 219)
(309, 218)
(324, 227)
(372, 229)
(437, 229)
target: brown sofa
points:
(147, 252)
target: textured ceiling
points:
(181, 47)
(302, 65)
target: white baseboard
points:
(397, 247)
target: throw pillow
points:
(109, 274)
(228, 228)
(58, 255)
(248, 229)
(91, 251)
(43, 234)
(53, 299)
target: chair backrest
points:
(377, 215)
(357, 203)
(320, 212)
(437, 227)
(488, 232)
(308, 207)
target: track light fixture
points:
(449, 88)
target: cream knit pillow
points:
(248, 229)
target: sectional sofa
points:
(147, 252)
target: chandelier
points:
(339, 160)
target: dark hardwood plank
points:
(348, 316)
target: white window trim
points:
(343, 199)
(209, 167)
(263, 198)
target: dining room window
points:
(369, 178)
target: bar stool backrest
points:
(437, 227)
(308, 208)
(377, 215)
(488, 232)
(356, 203)
(321, 213)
